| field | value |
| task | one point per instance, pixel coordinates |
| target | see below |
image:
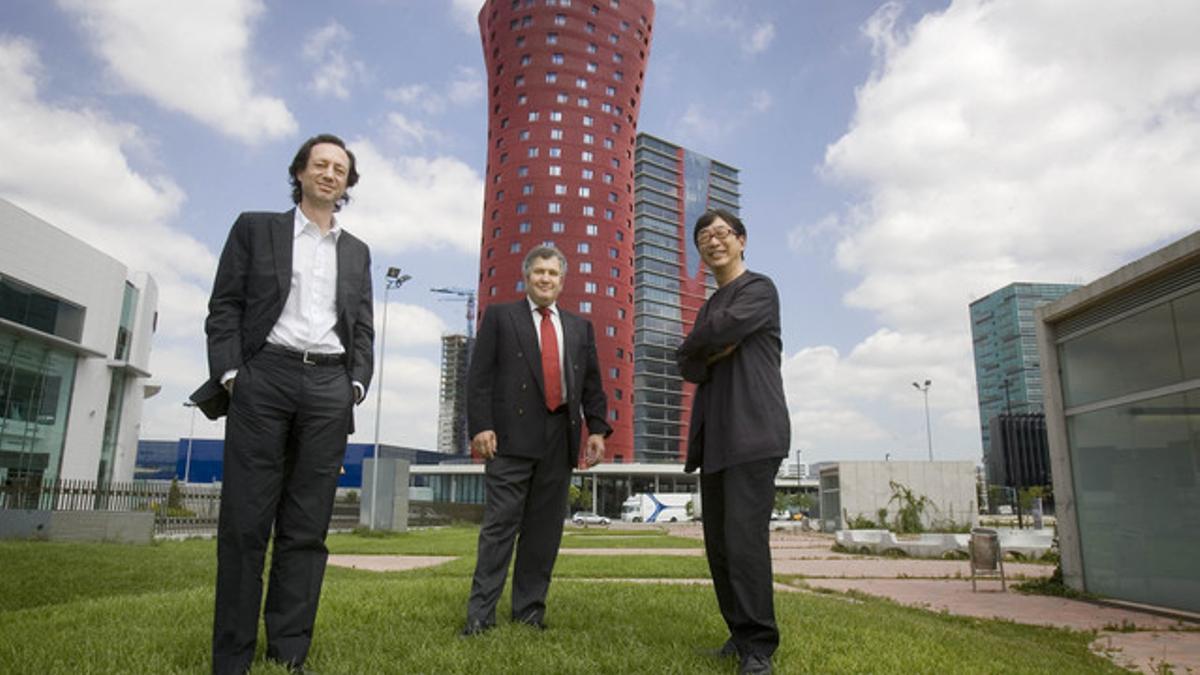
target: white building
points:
(853, 490)
(75, 331)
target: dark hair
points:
(300, 163)
(712, 214)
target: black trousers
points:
(285, 439)
(526, 502)
(737, 504)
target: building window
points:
(583, 247)
(582, 101)
(561, 97)
(586, 155)
(585, 268)
(520, 286)
(560, 19)
(532, 152)
(554, 207)
(556, 59)
(589, 139)
(612, 414)
(608, 143)
(588, 121)
(523, 135)
(592, 229)
(585, 307)
(614, 253)
(617, 58)
(527, 189)
(551, 77)
(557, 226)
(522, 99)
(556, 134)
(621, 313)
(589, 210)
(614, 372)
(526, 60)
(589, 287)
(614, 272)
(560, 189)
(551, 38)
(522, 207)
(555, 170)
(611, 291)
(556, 152)
(522, 171)
(533, 116)
(585, 191)
(608, 214)
(555, 115)
(524, 226)
(610, 331)
(514, 247)
(592, 67)
(608, 178)
(610, 91)
(581, 83)
(519, 81)
(586, 174)
(592, 49)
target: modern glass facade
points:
(673, 186)
(1130, 386)
(1008, 377)
(36, 381)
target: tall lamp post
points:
(187, 464)
(394, 279)
(924, 389)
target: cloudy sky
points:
(898, 160)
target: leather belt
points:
(306, 357)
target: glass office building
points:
(1008, 376)
(1122, 368)
(673, 186)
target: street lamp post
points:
(924, 389)
(187, 464)
(394, 279)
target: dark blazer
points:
(739, 413)
(504, 383)
(253, 279)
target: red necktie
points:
(550, 371)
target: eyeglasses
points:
(721, 233)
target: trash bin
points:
(987, 560)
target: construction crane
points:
(463, 293)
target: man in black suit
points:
(534, 382)
(739, 434)
(290, 351)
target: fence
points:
(191, 509)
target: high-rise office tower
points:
(673, 186)
(1007, 368)
(452, 403)
(564, 90)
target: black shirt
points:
(739, 413)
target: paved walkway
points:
(1133, 639)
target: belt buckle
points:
(306, 360)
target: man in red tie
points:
(534, 383)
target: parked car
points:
(588, 518)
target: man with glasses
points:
(739, 434)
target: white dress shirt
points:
(558, 333)
(309, 318)
(309, 315)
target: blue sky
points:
(898, 159)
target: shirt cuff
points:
(359, 391)
(229, 375)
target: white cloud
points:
(760, 100)
(405, 131)
(326, 48)
(760, 38)
(410, 404)
(407, 203)
(1059, 141)
(190, 57)
(465, 87)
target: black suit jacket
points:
(739, 413)
(505, 388)
(253, 280)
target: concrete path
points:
(388, 563)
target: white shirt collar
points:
(533, 306)
(301, 221)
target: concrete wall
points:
(123, 527)
(865, 488)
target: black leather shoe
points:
(755, 664)
(476, 627)
(725, 651)
(532, 619)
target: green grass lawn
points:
(75, 608)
